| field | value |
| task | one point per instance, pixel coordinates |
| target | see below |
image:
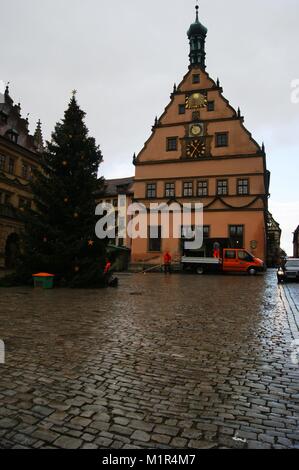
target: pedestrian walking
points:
(167, 262)
(107, 273)
(216, 250)
(107, 267)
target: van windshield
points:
(294, 263)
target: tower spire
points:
(38, 137)
(197, 8)
(197, 34)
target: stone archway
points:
(12, 250)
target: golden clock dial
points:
(196, 129)
(195, 149)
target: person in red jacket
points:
(107, 267)
(167, 262)
(107, 273)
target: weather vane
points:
(74, 92)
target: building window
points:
(236, 236)
(151, 190)
(222, 188)
(243, 187)
(206, 231)
(182, 109)
(2, 162)
(196, 78)
(25, 171)
(154, 239)
(11, 166)
(211, 106)
(187, 232)
(222, 139)
(188, 189)
(24, 203)
(115, 202)
(7, 198)
(169, 190)
(172, 144)
(32, 169)
(202, 188)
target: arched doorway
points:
(11, 250)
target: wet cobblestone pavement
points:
(163, 361)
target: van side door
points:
(230, 261)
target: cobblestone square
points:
(176, 361)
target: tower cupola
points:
(197, 34)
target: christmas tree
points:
(59, 236)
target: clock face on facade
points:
(196, 148)
(196, 100)
(196, 130)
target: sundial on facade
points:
(196, 101)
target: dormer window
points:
(12, 135)
(3, 117)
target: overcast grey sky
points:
(124, 56)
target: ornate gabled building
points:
(114, 192)
(200, 151)
(296, 243)
(19, 156)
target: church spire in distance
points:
(197, 34)
(38, 137)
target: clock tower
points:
(200, 151)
